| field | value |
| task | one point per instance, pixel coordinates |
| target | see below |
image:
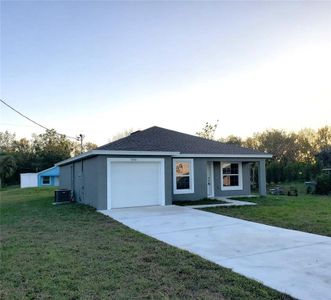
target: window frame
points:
(42, 180)
(191, 176)
(240, 177)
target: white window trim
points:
(191, 189)
(42, 180)
(240, 177)
(133, 159)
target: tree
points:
(22, 146)
(122, 134)
(7, 167)
(76, 147)
(323, 186)
(38, 153)
(50, 148)
(251, 142)
(324, 158)
(6, 141)
(25, 158)
(89, 146)
(208, 131)
(277, 142)
(233, 140)
(306, 143)
(323, 138)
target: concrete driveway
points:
(289, 261)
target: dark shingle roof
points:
(161, 139)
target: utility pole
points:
(80, 138)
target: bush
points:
(323, 186)
(295, 171)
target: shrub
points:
(280, 172)
(323, 186)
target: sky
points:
(100, 67)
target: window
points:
(231, 176)
(183, 176)
(46, 180)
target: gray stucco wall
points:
(65, 177)
(168, 180)
(86, 179)
(90, 180)
(91, 187)
(79, 181)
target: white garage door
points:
(135, 182)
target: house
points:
(48, 177)
(156, 166)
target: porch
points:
(234, 178)
(217, 177)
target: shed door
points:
(135, 182)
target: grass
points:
(199, 202)
(309, 213)
(10, 187)
(296, 184)
(72, 252)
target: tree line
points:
(40, 152)
(296, 155)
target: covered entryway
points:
(135, 182)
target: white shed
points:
(29, 180)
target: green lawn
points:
(72, 252)
(310, 213)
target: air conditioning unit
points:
(62, 196)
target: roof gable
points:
(53, 171)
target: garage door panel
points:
(135, 183)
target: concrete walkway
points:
(289, 261)
(229, 202)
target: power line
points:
(26, 117)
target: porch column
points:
(262, 178)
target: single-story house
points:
(156, 166)
(48, 177)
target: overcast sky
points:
(100, 67)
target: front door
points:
(210, 179)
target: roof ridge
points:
(199, 137)
(137, 132)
